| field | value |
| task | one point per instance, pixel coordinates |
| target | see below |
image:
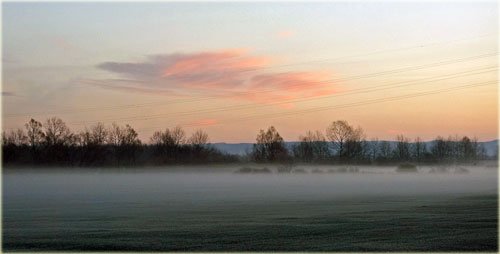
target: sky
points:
(418, 69)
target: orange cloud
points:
(288, 86)
(231, 73)
(224, 69)
(229, 60)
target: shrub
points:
(249, 170)
(406, 168)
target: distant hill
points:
(243, 148)
(491, 147)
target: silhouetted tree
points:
(57, 133)
(98, 134)
(53, 143)
(346, 140)
(198, 139)
(57, 137)
(13, 145)
(440, 149)
(16, 138)
(125, 143)
(312, 147)
(354, 145)
(270, 146)
(198, 144)
(93, 144)
(385, 152)
(372, 149)
(169, 144)
(419, 150)
(338, 133)
(402, 148)
(35, 133)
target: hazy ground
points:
(374, 209)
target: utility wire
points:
(302, 99)
(210, 97)
(348, 105)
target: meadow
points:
(374, 209)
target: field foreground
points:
(161, 211)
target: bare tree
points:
(16, 138)
(57, 133)
(403, 148)
(198, 139)
(84, 138)
(441, 149)
(311, 147)
(346, 140)
(129, 136)
(125, 142)
(419, 149)
(98, 134)
(385, 151)
(35, 132)
(114, 134)
(270, 146)
(178, 136)
(372, 149)
(354, 147)
(467, 149)
(338, 133)
(169, 138)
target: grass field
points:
(158, 211)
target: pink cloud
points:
(206, 70)
(231, 73)
(288, 86)
(210, 62)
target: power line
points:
(362, 103)
(418, 46)
(203, 98)
(348, 105)
(369, 75)
(310, 98)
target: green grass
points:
(85, 211)
(467, 223)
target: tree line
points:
(53, 143)
(344, 143)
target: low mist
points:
(224, 185)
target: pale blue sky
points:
(49, 47)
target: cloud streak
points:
(230, 73)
